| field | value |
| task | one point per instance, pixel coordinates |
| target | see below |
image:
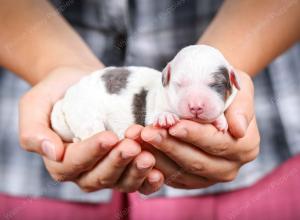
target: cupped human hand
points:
(193, 155)
(101, 161)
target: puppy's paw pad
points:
(165, 120)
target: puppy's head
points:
(198, 82)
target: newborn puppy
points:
(198, 84)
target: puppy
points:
(198, 84)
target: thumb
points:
(34, 128)
(241, 111)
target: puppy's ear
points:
(234, 80)
(166, 75)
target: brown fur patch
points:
(115, 79)
(139, 107)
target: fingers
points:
(190, 158)
(208, 139)
(136, 173)
(35, 133)
(98, 163)
(81, 156)
(107, 173)
(176, 176)
(204, 136)
(152, 183)
(134, 132)
(241, 111)
(86, 153)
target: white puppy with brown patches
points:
(198, 84)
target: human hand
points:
(101, 161)
(193, 155)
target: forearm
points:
(252, 33)
(35, 39)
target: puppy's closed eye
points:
(219, 87)
(180, 84)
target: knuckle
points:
(77, 165)
(104, 183)
(228, 177)
(60, 175)
(86, 186)
(91, 186)
(27, 140)
(248, 155)
(219, 150)
(196, 167)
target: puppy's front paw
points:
(165, 120)
(221, 123)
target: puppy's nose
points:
(196, 109)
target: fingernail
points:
(127, 155)
(48, 149)
(178, 132)
(154, 178)
(143, 165)
(156, 138)
(242, 123)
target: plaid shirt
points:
(149, 33)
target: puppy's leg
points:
(59, 124)
(88, 129)
(165, 120)
(221, 123)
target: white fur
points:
(87, 108)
